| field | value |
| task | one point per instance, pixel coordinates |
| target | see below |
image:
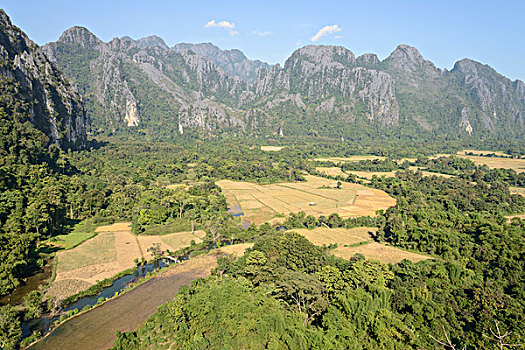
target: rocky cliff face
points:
(134, 82)
(233, 62)
(54, 105)
(128, 83)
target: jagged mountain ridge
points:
(198, 86)
(52, 104)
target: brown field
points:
(261, 203)
(518, 190)
(113, 250)
(477, 152)
(236, 250)
(331, 171)
(342, 236)
(271, 148)
(368, 174)
(371, 250)
(381, 252)
(493, 162)
(355, 158)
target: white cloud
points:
(325, 31)
(338, 37)
(222, 24)
(261, 34)
(233, 32)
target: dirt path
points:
(96, 329)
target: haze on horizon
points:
(270, 31)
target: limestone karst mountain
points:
(144, 83)
(43, 94)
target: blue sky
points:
(492, 32)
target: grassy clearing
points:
(357, 241)
(317, 196)
(81, 232)
(179, 225)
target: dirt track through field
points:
(97, 328)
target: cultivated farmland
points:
(113, 250)
(357, 241)
(317, 196)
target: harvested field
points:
(342, 236)
(332, 171)
(518, 190)
(96, 329)
(371, 250)
(272, 148)
(113, 250)
(237, 249)
(476, 152)
(317, 196)
(355, 158)
(521, 216)
(517, 165)
(368, 174)
(381, 252)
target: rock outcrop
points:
(54, 105)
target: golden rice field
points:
(113, 250)
(271, 148)
(316, 196)
(347, 237)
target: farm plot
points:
(342, 236)
(517, 165)
(113, 250)
(357, 241)
(332, 171)
(355, 158)
(271, 148)
(317, 196)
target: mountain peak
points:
(151, 41)
(79, 35)
(323, 55)
(4, 18)
(407, 59)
